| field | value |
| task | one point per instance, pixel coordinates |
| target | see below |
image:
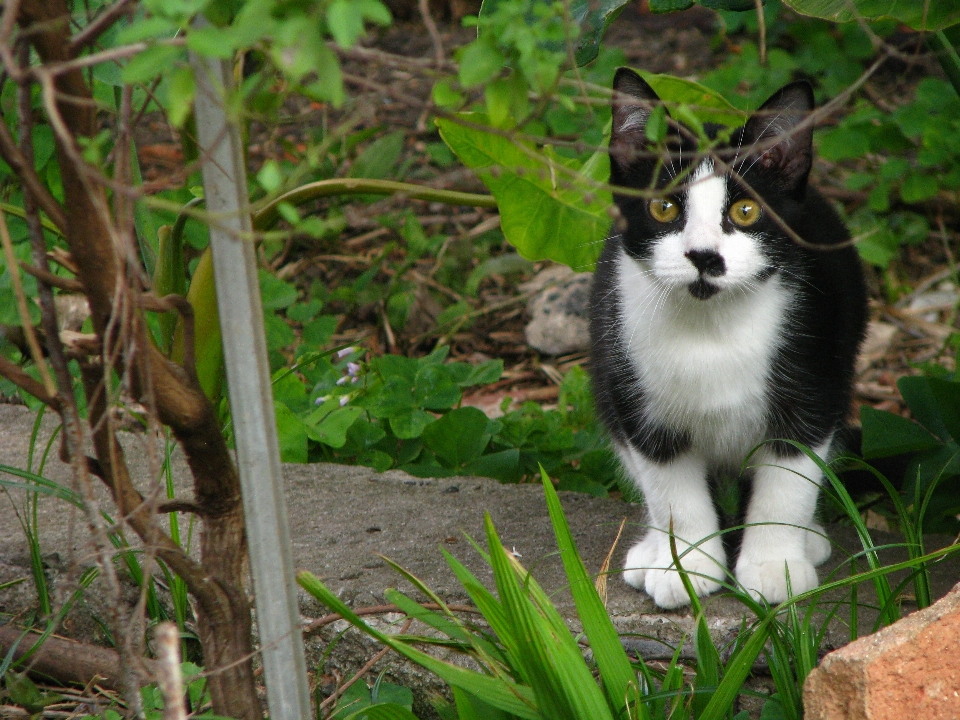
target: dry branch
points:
(68, 661)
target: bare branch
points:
(47, 277)
(424, 6)
(100, 24)
(15, 374)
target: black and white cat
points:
(713, 331)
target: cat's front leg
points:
(781, 537)
(675, 492)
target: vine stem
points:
(268, 214)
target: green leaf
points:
(946, 394)
(332, 429)
(317, 332)
(656, 127)
(150, 63)
(665, 6)
(615, 670)
(434, 389)
(211, 41)
(548, 209)
(180, 94)
(385, 692)
(483, 374)
(919, 187)
(918, 393)
(383, 711)
(593, 18)
(291, 435)
(411, 424)
(773, 709)
(470, 707)
(707, 105)
(478, 63)
(886, 434)
(549, 657)
(503, 466)
(458, 437)
(918, 14)
(379, 158)
(345, 21)
(843, 142)
(355, 698)
(445, 96)
(275, 293)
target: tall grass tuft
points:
(533, 668)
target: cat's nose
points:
(707, 262)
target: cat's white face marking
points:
(703, 364)
(704, 208)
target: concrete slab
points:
(343, 518)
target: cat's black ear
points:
(633, 101)
(783, 141)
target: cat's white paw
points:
(768, 577)
(666, 586)
(649, 567)
(641, 558)
(818, 547)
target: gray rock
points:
(559, 311)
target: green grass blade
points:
(39, 484)
(470, 707)
(737, 670)
(428, 617)
(850, 507)
(557, 673)
(615, 671)
(511, 697)
(383, 711)
(486, 603)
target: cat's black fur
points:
(819, 360)
(764, 352)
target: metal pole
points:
(251, 396)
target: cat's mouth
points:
(702, 290)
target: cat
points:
(713, 331)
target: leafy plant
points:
(398, 412)
(532, 666)
(932, 440)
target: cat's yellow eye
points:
(663, 209)
(744, 212)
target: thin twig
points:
(15, 374)
(100, 24)
(424, 6)
(61, 283)
(361, 672)
(381, 610)
(762, 29)
(169, 678)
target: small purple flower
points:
(345, 352)
(321, 400)
(343, 380)
(353, 369)
(344, 400)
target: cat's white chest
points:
(704, 365)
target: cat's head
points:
(717, 225)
